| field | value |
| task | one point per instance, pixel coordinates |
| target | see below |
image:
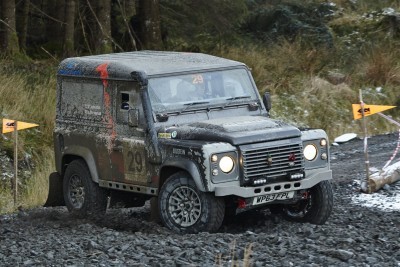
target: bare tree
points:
(69, 28)
(101, 10)
(22, 23)
(55, 17)
(127, 9)
(149, 23)
(9, 38)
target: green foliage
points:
(28, 93)
(289, 20)
(6, 200)
(201, 25)
(306, 91)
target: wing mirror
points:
(267, 100)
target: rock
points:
(282, 252)
(341, 254)
(50, 255)
(335, 77)
(386, 187)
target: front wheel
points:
(185, 209)
(316, 209)
(82, 196)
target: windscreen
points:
(207, 88)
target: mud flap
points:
(55, 197)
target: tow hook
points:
(305, 195)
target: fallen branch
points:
(389, 175)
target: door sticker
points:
(135, 161)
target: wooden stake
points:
(367, 184)
(15, 162)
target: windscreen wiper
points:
(188, 105)
(164, 116)
(230, 99)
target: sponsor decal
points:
(174, 134)
(164, 135)
(178, 151)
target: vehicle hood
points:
(234, 130)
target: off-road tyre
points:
(83, 197)
(316, 209)
(179, 194)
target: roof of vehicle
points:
(128, 65)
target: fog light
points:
(259, 181)
(215, 172)
(324, 156)
(296, 176)
(214, 158)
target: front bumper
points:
(247, 192)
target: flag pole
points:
(367, 184)
(15, 162)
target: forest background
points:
(313, 56)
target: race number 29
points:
(135, 162)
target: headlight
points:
(226, 164)
(310, 152)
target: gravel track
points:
(353, 236)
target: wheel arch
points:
(175, 165)
(83, 154)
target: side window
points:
(124, 97)
(128, 97)
(82, 100)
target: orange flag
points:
(9, 125)
(368, 110)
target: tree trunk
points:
(9, 41)
(22, 24)
(55, 25)
(128, 10)
(149, 23)
(69, 28)
(103, 19)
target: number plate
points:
(271, 197)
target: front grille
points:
(271, 162)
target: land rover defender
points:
(187, 129)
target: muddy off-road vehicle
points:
(188, 130)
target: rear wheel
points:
(316, 209)
(82, 196)
(185, 209)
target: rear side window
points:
(127, 97)
(82, 100)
